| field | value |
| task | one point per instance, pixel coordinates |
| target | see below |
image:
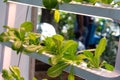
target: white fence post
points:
(16, 15)
(3, 18)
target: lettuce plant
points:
(94, 59)
(64, 54)
(13, 74)
(22, 38)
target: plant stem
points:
(60, 77)
(19, 59)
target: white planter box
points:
(80, 70)
(84, 9)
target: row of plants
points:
(54, 4)
(50, 4)
(64, 52)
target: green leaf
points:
(16, 45)
(32, 48)
(90, 1)
(56, 15)
(34, 78)
(71, 77)
(49, 4)
(55, 59)
(16, 33)
(57, 69)
(22, 78)
(106, 1)
(28, 26)
(71, 74)
(117, 2)
(95, 62)
(33, 38)
(100, 48)
(5, 0)
(22, 33)
(4, 37)
(78, 0)
(44, 79)
(70, 47)
(50, 45)
(79, 58)
(109, 67)
(67, 1)
(58, 37)
(15, 71)
(88, 54)
(6, 75)
(58, 40)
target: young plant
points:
(64, 54)
(12, 74)
(94, 59)
(22, 38)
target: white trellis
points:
(72, 8)
(12, 15)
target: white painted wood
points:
(3, 18)
(16, 15)
(20, 15)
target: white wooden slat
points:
(3, 17)
(13, 16)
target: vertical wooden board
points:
(13, 17)
(2, 22)
(20, 17)
(34, 14)
(117, 65)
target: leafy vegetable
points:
(56, 70)
(6, 75)
(4, 37)
(32, 48)
(100, 48)
(94, 59)
(27, 26)
(49, 4)
(22, 37)
(16, 45)
(5, 0)
(71, 75)
(13, 74)
(106, 1)
(67, 1)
